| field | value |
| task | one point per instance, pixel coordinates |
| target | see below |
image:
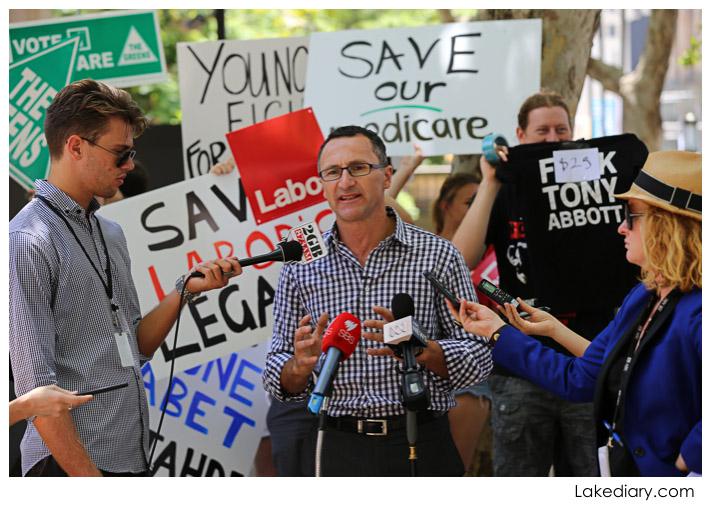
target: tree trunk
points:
(20, 15)
(641, 88)
(567, 41)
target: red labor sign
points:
(277, 160)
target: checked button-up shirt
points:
(369, 386)
(62, 332)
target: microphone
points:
(339, 341)
(405, 328)
(310, 238)
(286, 251)
(406, 337)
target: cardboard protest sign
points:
(171, 229)
(576, 257)
(230, 84)
(283, 178)
(215, 414)
(444, 87)
(214, 417)
(34, 82)
(123, 48)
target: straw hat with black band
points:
(670, 180)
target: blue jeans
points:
(533, 429)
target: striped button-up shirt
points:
(62, 330)
(369, 386)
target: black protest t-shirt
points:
(507, 233)
(576, 258)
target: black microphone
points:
(287, 251)
(402, 306)
(413, 390)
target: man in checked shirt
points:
(75, 321)
(373, 255)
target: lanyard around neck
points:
(108, 286)
(644, 323)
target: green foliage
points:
(692, 55)
(161, 101)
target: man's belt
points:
(378, 426)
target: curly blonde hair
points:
(672, 249)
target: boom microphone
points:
(339, 341)
(287, 251)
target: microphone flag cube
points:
(310, 238)
(398, 331)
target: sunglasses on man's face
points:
(123, 156)
(629, 216)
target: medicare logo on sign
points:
(122, 48)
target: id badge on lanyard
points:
(122, 335)
(121, 329)
(603, 459)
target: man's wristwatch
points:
(179, 286)
(495, 336)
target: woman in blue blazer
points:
(643, 372)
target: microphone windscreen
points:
(343, 333)
(292, 251)
(402, 306)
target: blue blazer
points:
(662, 414)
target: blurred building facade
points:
(620, 41)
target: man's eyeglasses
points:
(123, 156)
(355, 170)
(629, 216)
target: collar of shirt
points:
(62, 201)
(400, 233)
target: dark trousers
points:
(290, 424)
(528, 421)
(49, 467)
(350, 454)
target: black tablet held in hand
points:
(104, 389)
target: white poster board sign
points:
(173, 228)
(229, 84)
(215, 416)
(443, 87)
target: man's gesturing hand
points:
(308, 344)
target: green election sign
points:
(33, 84)
(120, 47)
